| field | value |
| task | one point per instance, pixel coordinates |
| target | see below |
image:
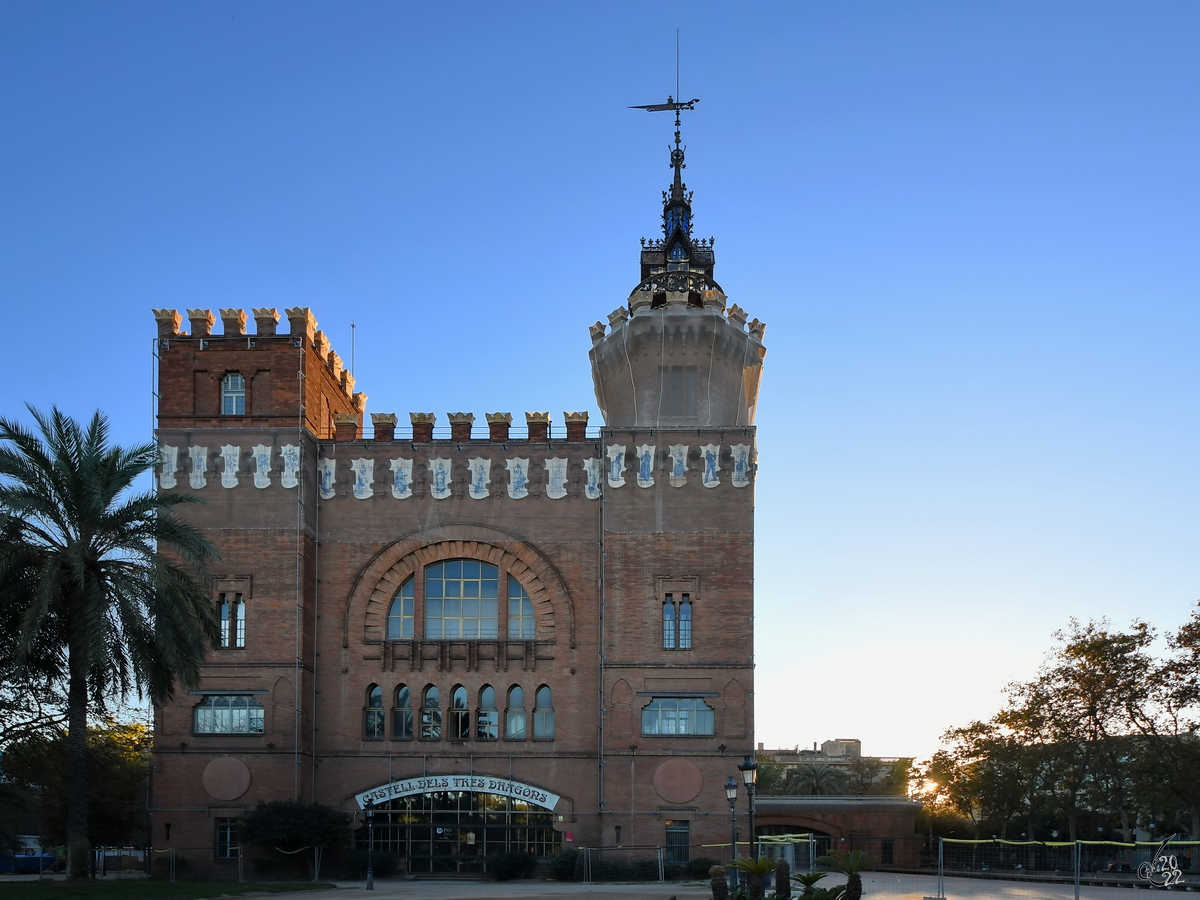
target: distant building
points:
(526, 638)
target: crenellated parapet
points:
(681, 359)
(237, 379)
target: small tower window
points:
(233, 395)
(669, 623)
(685, 623)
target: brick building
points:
(531, 638)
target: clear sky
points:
(972, 228)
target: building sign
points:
(479, 784)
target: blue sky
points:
(972, 229)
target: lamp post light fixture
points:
(370, 843)
(749, 770)
(731, 789)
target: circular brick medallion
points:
(678, 780)
(226, 778)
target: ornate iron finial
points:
(677, 212)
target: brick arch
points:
(379, 580)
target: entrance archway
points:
(451, 832)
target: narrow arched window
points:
(402, 715)
(521, 625)
(487, 717)
(373, 714)
(514, 715)
(431, 715)
(233, 395)
(400, 613)
(685, 623)
(460, 716)
(668, 623)
(543, 714)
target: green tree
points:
(118, 769)
(291, 825)
(83, 566)
(771, 775)
(816, 778)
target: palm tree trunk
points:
(77, 780)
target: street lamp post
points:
(370, 843)
(731, 796)
(749, 770)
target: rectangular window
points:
(231, 612)
(679, 391)
(373, 724)
(460, 725)
(461, 600)
(514, 724)
(431, 724)
(887, 852)
(226, 843)
(228, 714)
(679, 841)
(402, 724)
(487, 724)
(677, 716)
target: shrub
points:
(698, 867)
(562, 865)
(511, 865)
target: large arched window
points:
(233, 395)
(400, 613)
(461, 599)
(460, 716)
(514, 715)
(543, 714)
(373, 714)
(521, 624)
(487, 717)
(431, 715)
(402, 715)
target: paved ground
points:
(892, 887)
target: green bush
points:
(562, 865)
(509, 866)
(698, 867)
(354, 864)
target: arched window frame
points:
(373, 714)
(431, 714)
(487, 715)
(543, 713)
(460, 714)
(233, 394)
(402, 714)
(514, 714)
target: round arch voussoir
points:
(379, 580)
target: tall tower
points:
(675, 357)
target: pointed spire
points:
(677, 205)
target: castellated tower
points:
(526, 637)
(674, 356)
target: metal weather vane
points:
(676, 106)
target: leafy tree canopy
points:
(292, 825)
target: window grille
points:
(373, 714)
(233, 395)
(487, 717)
(402, 715)
(228, 714)
(514, 715)
(543, 714)
(521, 623)
(677, 715)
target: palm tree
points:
(816, 778)
(82, 573)
(850, 863)
(757, 869)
